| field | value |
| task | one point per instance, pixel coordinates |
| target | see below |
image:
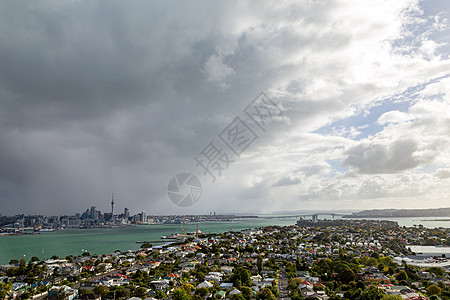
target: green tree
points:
(296, 295)
(241, 276)
(401, 276)
(85, 291)
(140, 292)
(22, 266)
(246, 292)
(259, 263)
(237, 297)
(122, 292)
(160, 294)
(436, 271)
(434, 290)
(187, 287)
(372, 262)
(294, 283)
(201, 292)
(372, 293)
(387, 261)
(245, 277)
(180, 294)
(199, 275)
(237, 283)
(101, 290)
(322, 267)
(265, 294)
(274, 291)
(347, 275)
(5, 288)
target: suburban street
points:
(283, 284)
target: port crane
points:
(182, 230)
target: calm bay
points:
(107, 240)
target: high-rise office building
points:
(92, 212)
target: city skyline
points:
(346, 106)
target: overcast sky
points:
(103, 96)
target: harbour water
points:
(107, 240)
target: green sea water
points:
(107, 240)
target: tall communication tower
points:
(112, 206)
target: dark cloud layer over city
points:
(120, 96)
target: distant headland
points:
(401, 213)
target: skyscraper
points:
(92, 212)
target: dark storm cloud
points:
(112, 95)
(72, 79)
(82, 61)
(102, 96)
(378, 158)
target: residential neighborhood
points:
(343, 259)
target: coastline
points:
(106, 240)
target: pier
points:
(151, 242)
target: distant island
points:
(401, 213)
